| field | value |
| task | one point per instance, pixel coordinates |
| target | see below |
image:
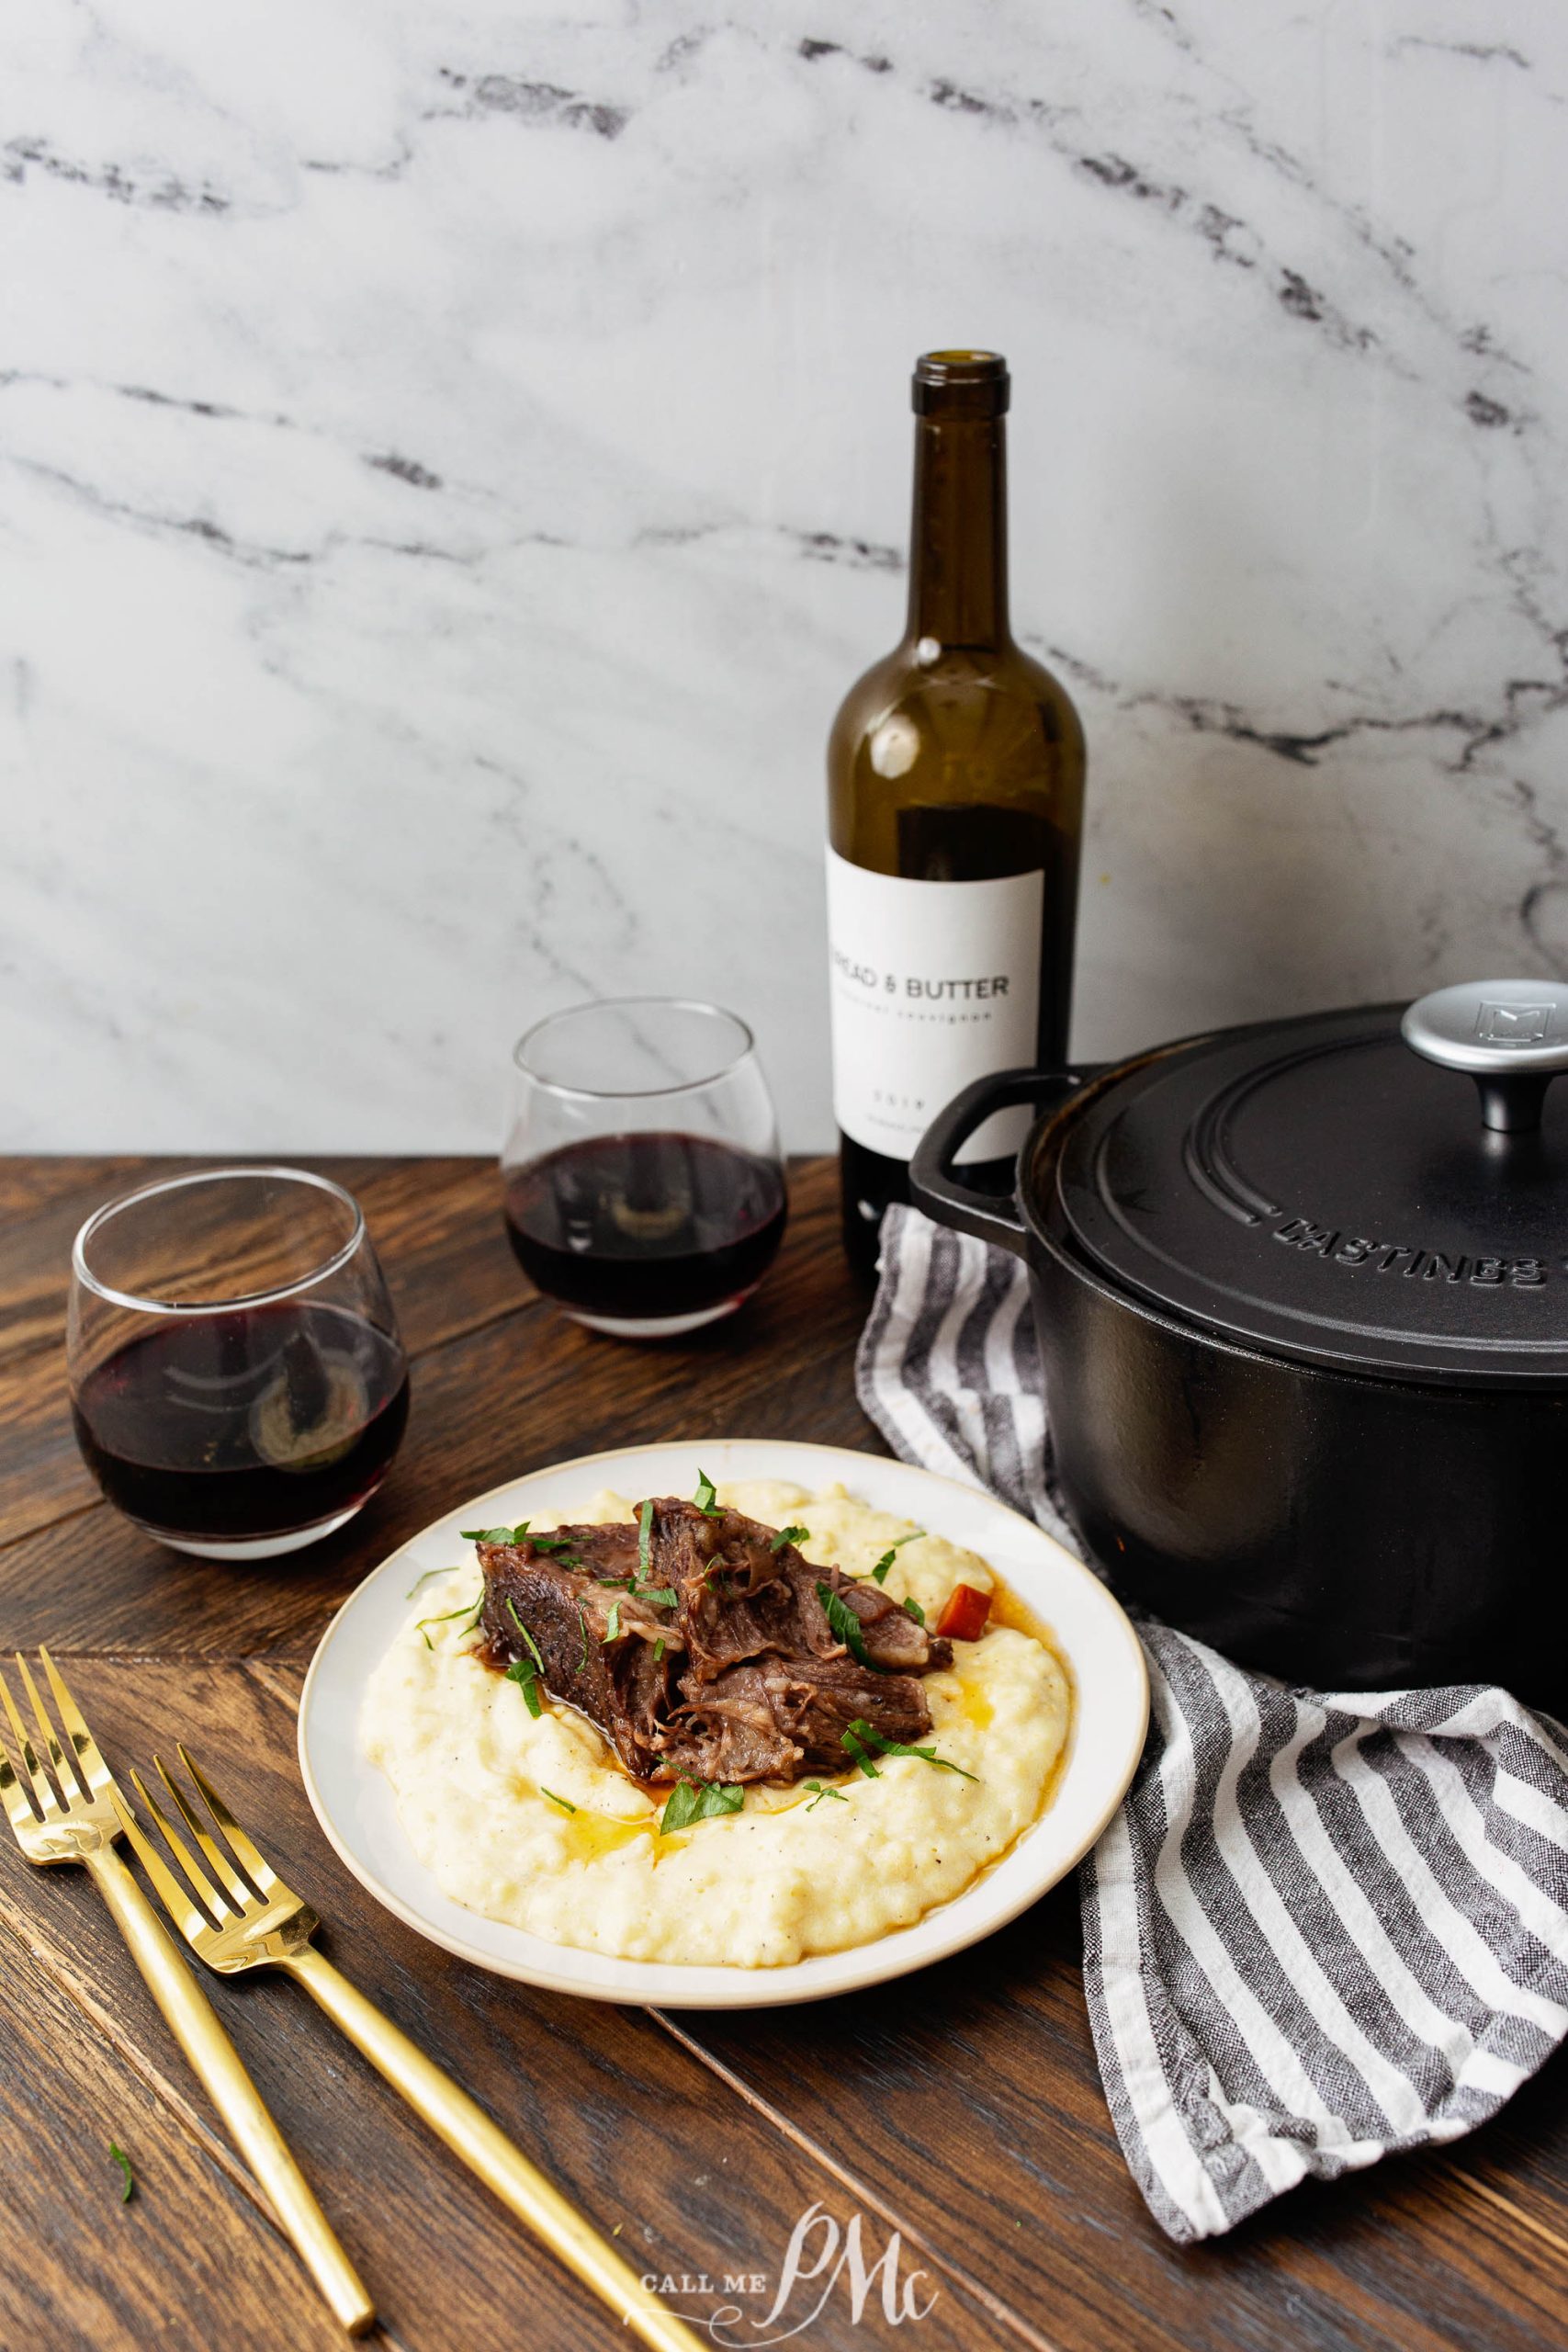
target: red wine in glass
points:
(244, 1423)
(646, 1232)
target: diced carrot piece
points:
(964, 1617)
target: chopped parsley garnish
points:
(494, 1534)
(564, 1802)
(663, 1596)
(525, 1671)
(824, 1791)
(556, 1547)
(659, 1649)
(880, 1571)
(123, 2161)
(859, 1736)
(843, 1622)
(789, 1536)
(612, 1624)
(527, 1636)
(912, 1609)
(525, 1674)
(468, 1609)
(425, 1579)
(698, 1801)
(582, 1620)
(704, 1500)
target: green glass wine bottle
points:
(955, 788)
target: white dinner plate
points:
(356, 1806)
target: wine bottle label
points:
(934, 984)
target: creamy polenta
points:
(533, 1820)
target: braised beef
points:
(743, 1679)
(738, 1598)
(741, 1597)
(776, 1720)
(568, 1599)
(891, 1637)
(729, 1731)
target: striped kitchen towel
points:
(1324, 1926)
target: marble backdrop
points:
(453, 458)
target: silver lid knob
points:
(1511, 1036)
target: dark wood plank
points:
(643, 2136)
(190, 2262)
(526, 1389)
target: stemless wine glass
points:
(644, 1189)
(237, 1381)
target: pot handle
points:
(933, 1185)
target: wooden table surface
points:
(960, 2108)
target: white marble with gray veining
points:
(453, 458)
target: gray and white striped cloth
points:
(1322, 1926)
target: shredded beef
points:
(565, 1600)
(740, 1599)
(729, 1731)
(750, 1681)
(773, 1721)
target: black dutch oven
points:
(1302, 1297)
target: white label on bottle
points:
(933, 984)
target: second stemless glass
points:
(644, 1189)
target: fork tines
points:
(70, 1791)
(245, 1879)
(200, 1885)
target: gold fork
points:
(78, 1821)
(235, 1926)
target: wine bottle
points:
(956, 779)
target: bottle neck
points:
(958, 542)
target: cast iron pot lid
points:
(1385, 1193)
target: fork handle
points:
(194, 2023)
(484, 2147)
